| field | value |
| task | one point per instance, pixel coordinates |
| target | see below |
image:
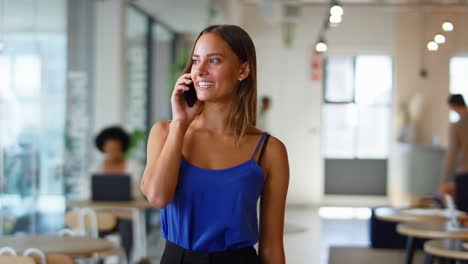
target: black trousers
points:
(125, 229)
(461, 191)
(174, 254)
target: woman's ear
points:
(244, 71)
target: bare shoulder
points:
(276, 163)
(160, 129)
(276, 148)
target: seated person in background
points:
(114, 142)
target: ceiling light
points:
(336, 10)
(321, 46)
(447, 26)
(432, 46)
(335, 19)
(439, 39)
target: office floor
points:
(307, 236)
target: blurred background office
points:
(359, 100)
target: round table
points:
(448, 248)
(141, 204)
(410, 215)
(426, 230)
(432, 230)
(53, 244)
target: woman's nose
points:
(201, 69)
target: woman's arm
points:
(273, 202)
(163, 160)
(165, 148)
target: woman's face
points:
(113, 148)
(216, 69)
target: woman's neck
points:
(215, 117)
(118, 160)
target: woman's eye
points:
(194, 61)
(214, 60)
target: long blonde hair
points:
(244, 108)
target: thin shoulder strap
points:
(263, 150)
(258, 145)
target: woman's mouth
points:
(205, 85)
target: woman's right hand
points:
(180, 110)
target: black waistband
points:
(221, 254)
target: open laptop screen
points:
(111, 187)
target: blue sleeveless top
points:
(214, 210)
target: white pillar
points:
(110, 63)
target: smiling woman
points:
(207, 168)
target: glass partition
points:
(32, 115)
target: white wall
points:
(296, 100)
(413, 30)
(411, 39)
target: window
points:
(356, 114)
(458, 80)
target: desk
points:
(53, 244)
(433, 230)
(137, 210)
(409, 215)
(449, 248)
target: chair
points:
(32, 256)
(36, 254)
(86, 221)
(9, 256)
(16, 260)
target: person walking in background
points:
(207, 168)
(456, 161)
(263, 122)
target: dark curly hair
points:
(456, 99)
(114, 132)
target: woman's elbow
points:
(158, 201)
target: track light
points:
(447, 26)
(439, 39)
(335, 20)
(432, 46)
(321, 46)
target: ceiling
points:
(182, 15)
(190, 16)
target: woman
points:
(207, 168)
(114, 142)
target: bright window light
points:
(362, 213)
(51, 203)
(458, 80)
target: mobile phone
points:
(190, 96)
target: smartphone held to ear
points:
(190, 96)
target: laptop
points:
(111, 187)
